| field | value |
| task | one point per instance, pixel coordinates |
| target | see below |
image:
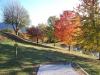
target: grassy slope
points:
(29, 56)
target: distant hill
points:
(5, 26)
(8, 26)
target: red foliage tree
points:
(34, 32)
(67, 26)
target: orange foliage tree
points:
(67, 27)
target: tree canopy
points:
(67, 27)
(15, 15)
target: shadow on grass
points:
(32, 56)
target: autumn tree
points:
(16, 15)
(34, 32)
(90, 13)
(67, 27)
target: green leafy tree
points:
(49, 34)
(90, 13)
(42, 27)
(50, 29)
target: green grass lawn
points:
(29, 57)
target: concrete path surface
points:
(56, 69)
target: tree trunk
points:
(16, 32)
(98, 46)
(50, 40)
(42, 40)
(69, 48)
(13, 28)
(54, 42)
(99, 56)
(37, 40)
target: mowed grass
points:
(29, 57)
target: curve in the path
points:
(56, 69)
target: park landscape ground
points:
(30, 57)
(25, 49)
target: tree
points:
(67, 27)
(34, 32)
(42, 27)
(51, 20)
(50, 29)
(15, 15)
(90, 13)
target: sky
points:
(40, 10)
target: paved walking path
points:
(56, 69)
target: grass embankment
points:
(30, 56)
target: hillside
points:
(21, 40)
